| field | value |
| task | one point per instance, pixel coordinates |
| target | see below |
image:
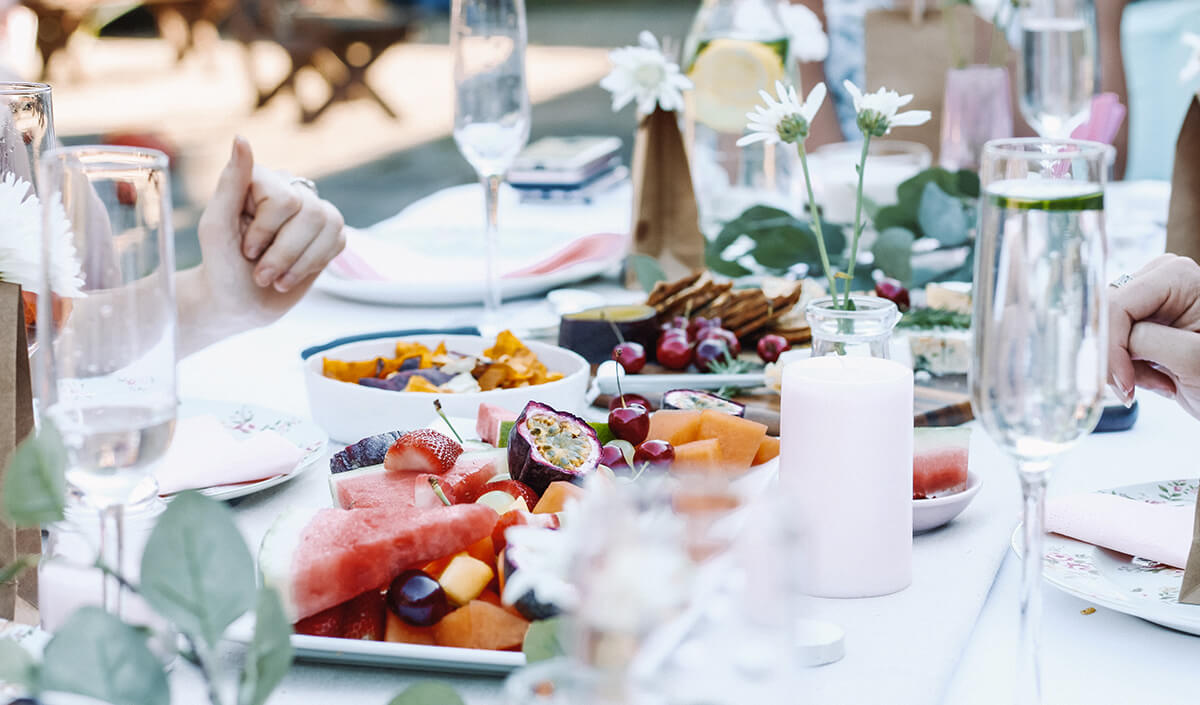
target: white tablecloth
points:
(949, 638)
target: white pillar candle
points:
(846, 434)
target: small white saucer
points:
(932, 513)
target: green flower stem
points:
(858, 207)
(816, 222)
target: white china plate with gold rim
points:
(244, 420)
(1128, 584)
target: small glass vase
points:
(976, 107)
(864, 331)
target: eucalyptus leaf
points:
(893, 253)
(97, 655)
(428, 693)
(196, 570)
(892, 217)
(968, 183)
(779, 241)
(542, 641)
(270, 653)
(943, 217)
(647, 270)
(35, 485)
(17, 666)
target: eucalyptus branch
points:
(815, 217)
(110, 572)
(858, 207)
(201, 658)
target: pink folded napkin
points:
(1106, 118)
(372, 259)
(1158, 532)
(204, 453)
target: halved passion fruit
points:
(546, 445)
(696, 399)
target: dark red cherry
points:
(631, 356)
(770, 347)
(657, 454)
(417, 598)
(629, 423)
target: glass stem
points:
(491, 301)
(112, 549)
(1029, 672)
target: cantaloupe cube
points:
(675, 426)
(480, 625)
(740, 438)
(465, 578)
(434, 569)
(767, 450)
(555, 497)
(698, 456)
(402, 632)
(482, 550)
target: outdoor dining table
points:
(948, 638)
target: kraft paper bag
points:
(16, 422)
(1183, 218)
(1189, 592)
(666, 221)
(908, 49)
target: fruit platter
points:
(409, 563)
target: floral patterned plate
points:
(247, 420)
(1120, 582)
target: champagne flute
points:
(1040, 328)
(1058, 72)
(106, 373)
(26, 131)
(491, 110)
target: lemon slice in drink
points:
(728, 74)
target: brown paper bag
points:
(16, 422)
(666, 221)
(1189, 592)
(908, 50)
(1183, 218)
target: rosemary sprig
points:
(934, 318)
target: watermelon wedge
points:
(375, 486)
(487, 424)
(940, 461)
(317, 559)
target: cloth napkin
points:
(1106, 118)
(373, 259)
(204, 453)
(1158, 532)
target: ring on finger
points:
(306, 183)
(1121, 281)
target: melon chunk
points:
(674, 426)
(939, 461)
(402, 632)
(698, 456)
(739, 437)
(555, 497)
(465, 578)
(481, 625)
(318, 559)
(767, 450)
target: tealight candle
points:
(846, 433)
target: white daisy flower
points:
(21, 240)
(545, 559)
(1192, 68)
(645, 74)
(878, 112)
(783, 120)
(806, 36)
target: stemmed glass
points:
(491, 109)
(26, 131)
(1040, 322)
(105, 376)
(1057, 76)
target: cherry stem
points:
(620, 369)
(437, 490)
(613, 325)
(437, 404)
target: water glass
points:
(1059, 69)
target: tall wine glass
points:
(106, 371)
(491, 110)
(26, 131)
(1039, 367)
(1058, 72)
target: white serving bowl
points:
(349, 412)
(931, 513)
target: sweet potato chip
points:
(417, 383)
(506, 344)
(406, 350)
(497, 376)
(353, 371)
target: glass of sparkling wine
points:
(491, 110)
(1040, 328)
(105, 375)
(1058, 72)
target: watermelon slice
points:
(940, 461)
(487, 424)
(375, 486)
(317, 559)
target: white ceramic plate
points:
(436, 273)
(1117, 581)
(939, 511)
(247, 420)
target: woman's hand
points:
(1154, 332)
(263, 241)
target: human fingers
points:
(224, 208)
(290, 242)
(328, 244)
(1148, 377)
(274, 202)
(1171, 350)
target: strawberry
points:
(423, 450)
(326, 623)
(364, 617)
